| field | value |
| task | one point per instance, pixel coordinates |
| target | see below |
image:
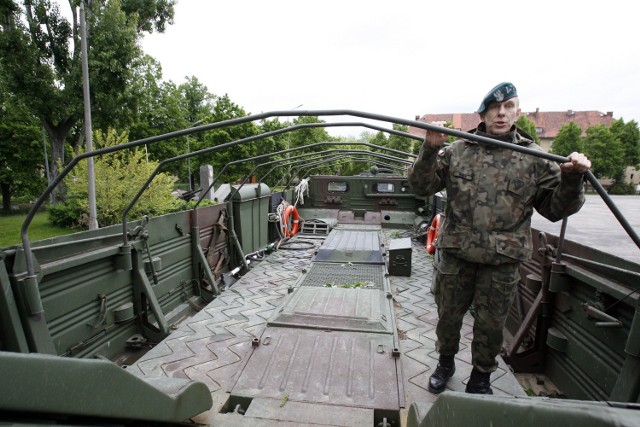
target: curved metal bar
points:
(233, 143)
(297, 113)
(359, 160)
(355, 159)
(290, 150)
(261, 179)
(208, 150)
(26, 244)
(380, 155)
(288, 163)
(365, 160)
(309, 167)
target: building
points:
(548, 124)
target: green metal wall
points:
(87, 284)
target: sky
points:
(406, 58)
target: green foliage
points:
(529, 127)
(72, 213)
(629, 135)
(150, 15)
(311, 135)
(568, 140)
(40, 57)
(273, 144)
(118, 178)
(605, 152)
(394, 142)
(401, 143)
(622, 188)
(21, 155)
(225, 109)
(113, 48)
(380, 139)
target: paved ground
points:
(596, 226)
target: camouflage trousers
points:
(490, 288)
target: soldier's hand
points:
(579, 163)
(435, 139)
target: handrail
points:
(297, 113)
(315, 165)
(289, 163)
(290, 150)
(308, 166)
(216, 148)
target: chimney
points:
(571, 113)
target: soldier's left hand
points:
(579, 163)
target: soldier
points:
(486, 233)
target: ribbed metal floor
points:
(216, 344)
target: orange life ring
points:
(292, 212)
(432, 234)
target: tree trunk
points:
(6, 196)
(57, 135)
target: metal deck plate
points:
(340, 368)
(353, 246)
(363, 310)
(367, 276)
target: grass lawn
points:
(38, 229)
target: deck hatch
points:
(364, 310)
(352, 246)
(340, 368)
(366, 276)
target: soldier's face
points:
(500, 116)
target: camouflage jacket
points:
(491, 194)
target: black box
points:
(400, 257)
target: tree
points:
(397, 142)
(568, 140)
(21, 157)
(224, 109)
(629, 136)
(302, 137)
(119, 176)
(380, 139)
(605, 152)
(529, 127)
(273, 144)
(40, 53)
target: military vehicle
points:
(302, 305)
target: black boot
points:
(445, 370)
(479, 383)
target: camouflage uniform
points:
(486, 233)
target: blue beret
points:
(500, 93)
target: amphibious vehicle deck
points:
(318, 333)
